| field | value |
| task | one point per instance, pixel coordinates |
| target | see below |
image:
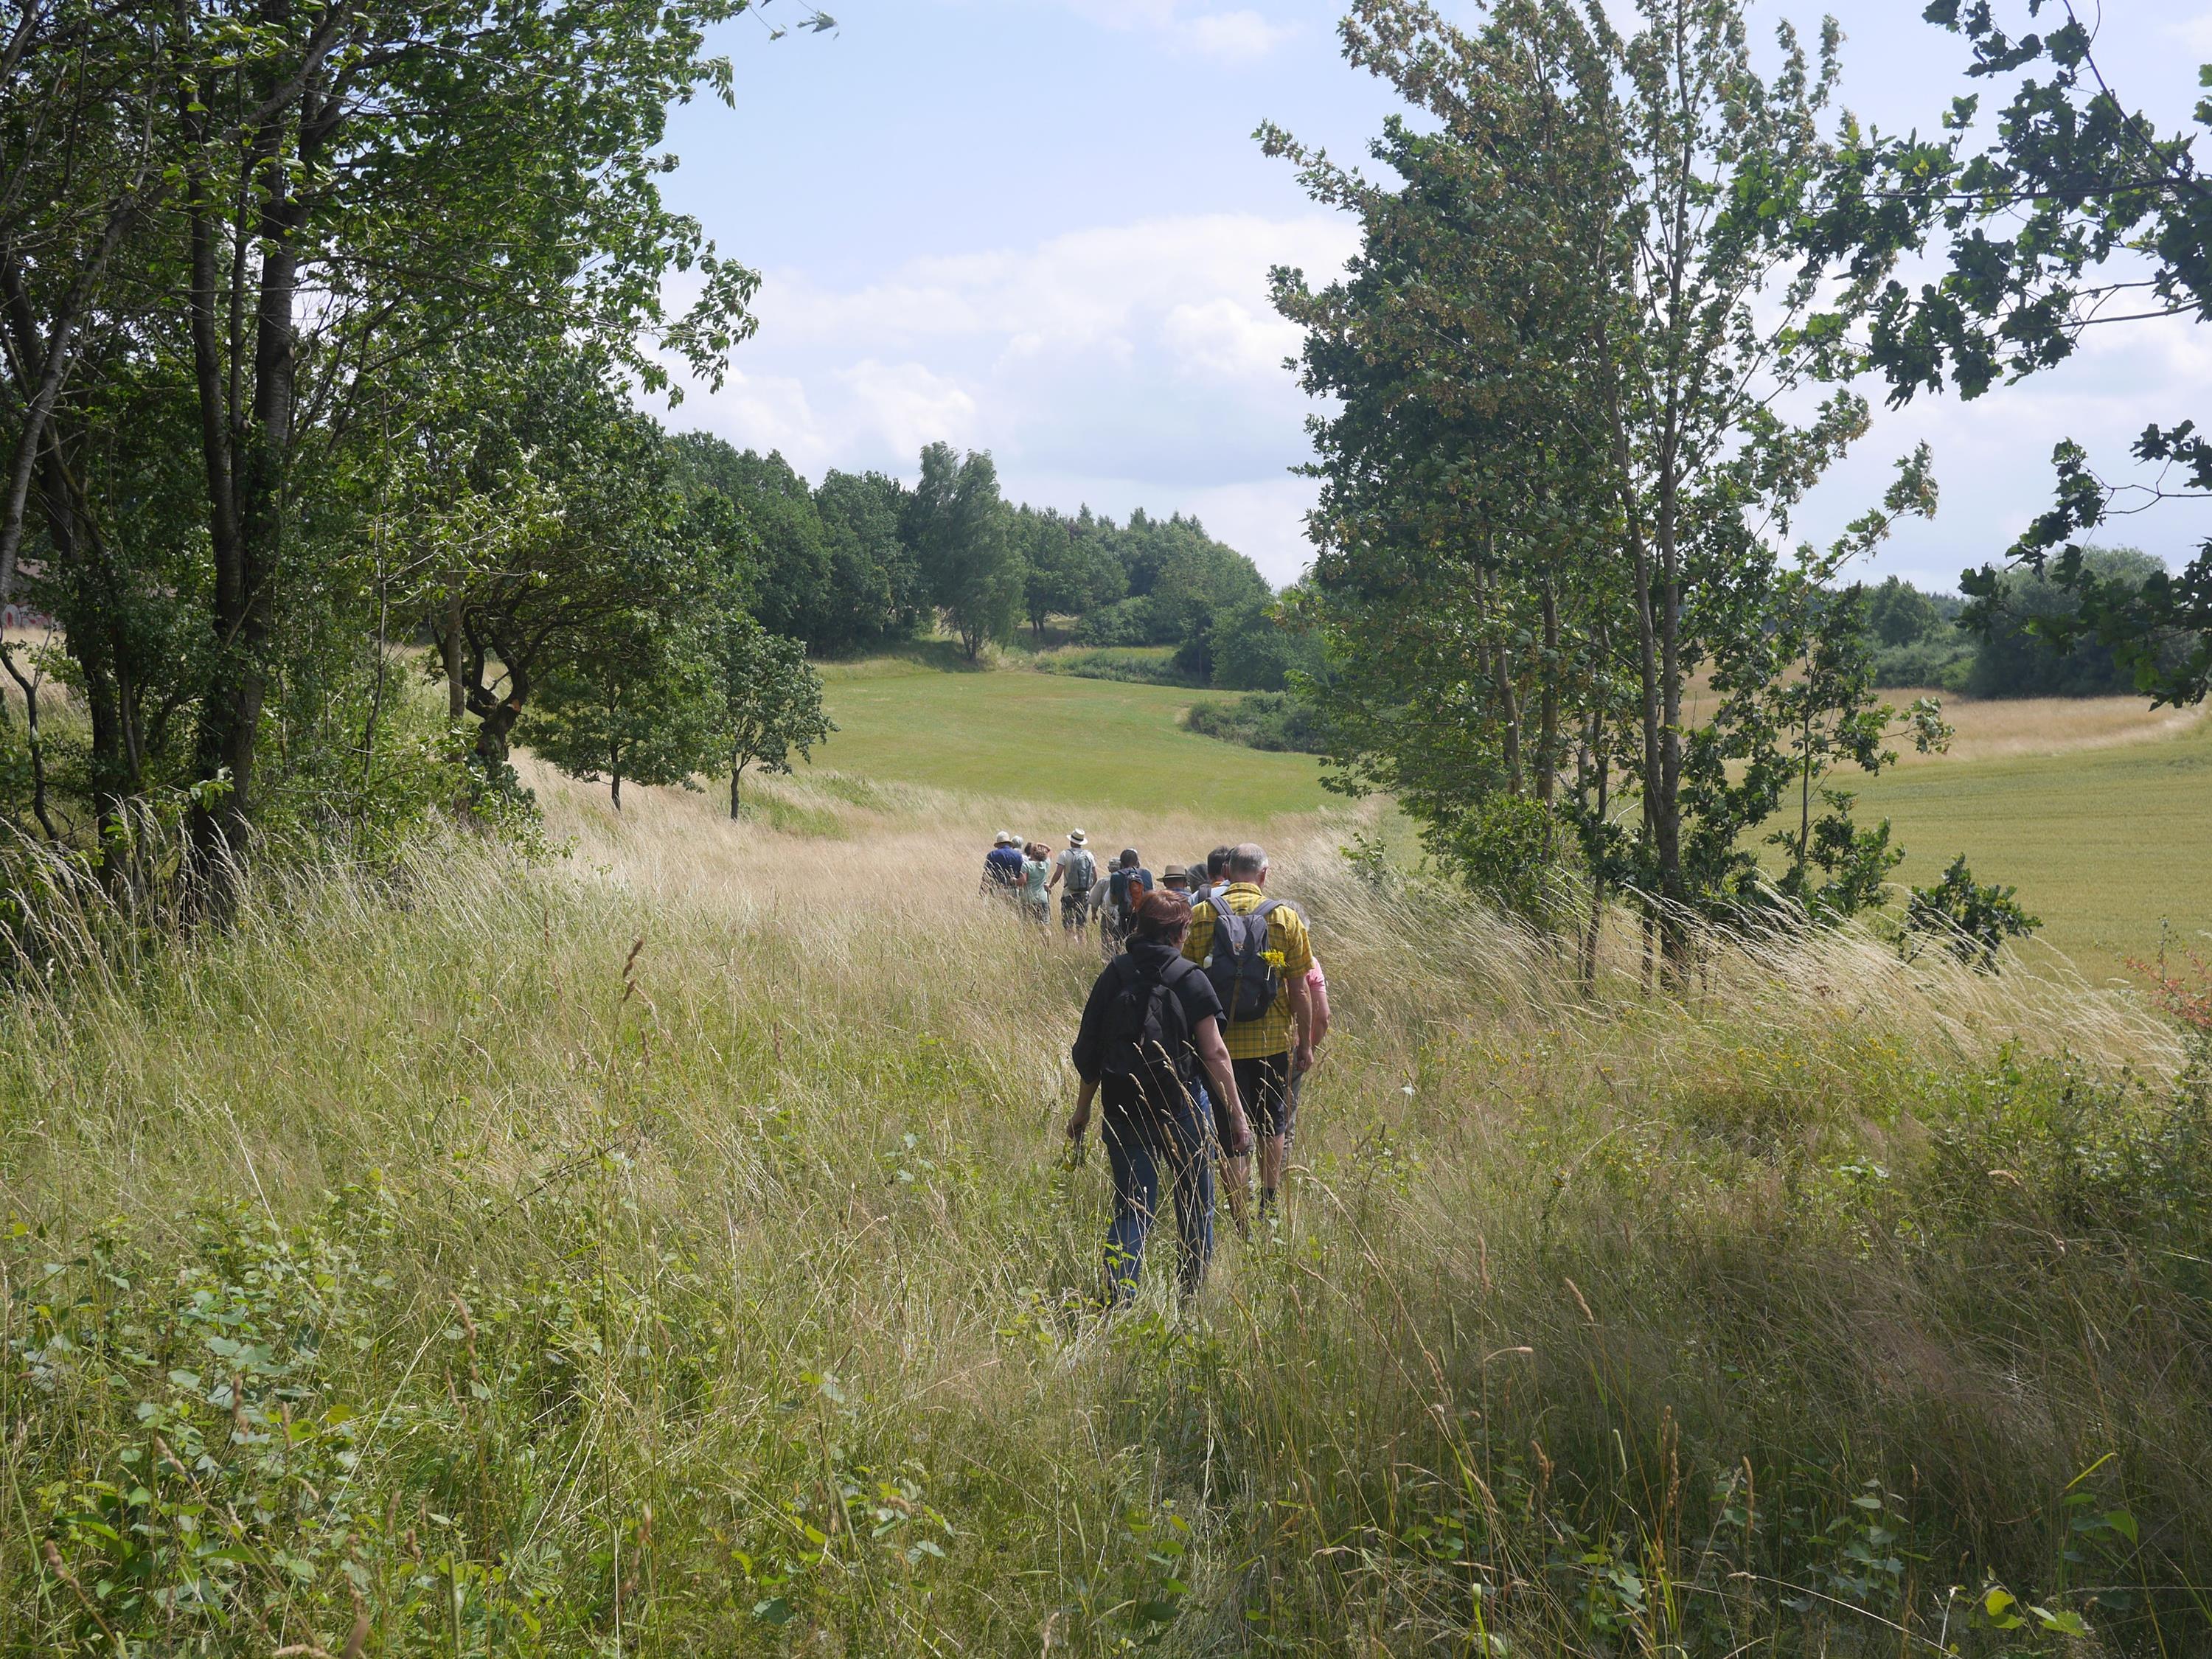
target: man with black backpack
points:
(1151, 1022)
(1257, 954)
(1125, 889)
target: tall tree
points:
(1551, 494)
(961, 532)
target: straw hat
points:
(1004, 838)
(1076, 838)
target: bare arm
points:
(1302, 1014)
(1213, 1055)
(1081, 1121)
(1319, 995)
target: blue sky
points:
(1042, 227)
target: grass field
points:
(2097, 810)
(1087, 747)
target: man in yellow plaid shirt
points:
(1273, 1043)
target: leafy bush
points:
(1262, 720)
(1131, 664)
(1945, 660)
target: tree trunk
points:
(449, 657)
(737, 771)
(614, 788)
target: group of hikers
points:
(1195, 1039)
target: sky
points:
(1043, 229)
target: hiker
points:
(1081, 872)
(1216, 871)
(1125, 889)
(1258, 955)
(1002, 866)
(1151, 1022)
(1036, 889)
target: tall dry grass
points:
(667, 1249)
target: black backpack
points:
(1147, 1030)
(1242, 975)
(1128, 891)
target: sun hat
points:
(1076, 838)
(1004, 838)
(1174, 872)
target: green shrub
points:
(1260, 720)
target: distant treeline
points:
(1997, 647)
(863, 561)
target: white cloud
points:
(1239, 36)
(2193, 33)
(1121, 364)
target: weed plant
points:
(668, 1249)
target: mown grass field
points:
(1087, 745)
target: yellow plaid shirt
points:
(1270, 1033)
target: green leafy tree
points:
(2078, 212)
(2034, 643)
(1068, 570)
(874, 577)
(1549, 491)
(768, 700)
(962, 532)
(640, 706)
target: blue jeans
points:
(1147, 1148)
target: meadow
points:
(1052, 739)
(2094, 808)
(669, 1249)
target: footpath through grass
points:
(667, 1251)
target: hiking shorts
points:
(1072, 907)
(1264, 1086)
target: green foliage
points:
(1254, 650)
(963, 535)
(1133, 664)
(2075, 205)
(768, 701)
(2023, 615)
(1069, 568)
(1969, 919)
(1545, 567)
(641, 706)
(1275, 720)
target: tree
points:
(2034, 644)
(961, 530)
(639, 707)
(2078, 214)
(876, 588)
(296, 268)
(768, 700)
(1069, 570)
(1898, 613)
(1550, 491)
(599, 537)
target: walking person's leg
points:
(1191, 1156)
(1136, 1202)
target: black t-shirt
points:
(1195, 991)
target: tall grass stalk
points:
(667, 1249)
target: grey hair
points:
(1246, 859)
